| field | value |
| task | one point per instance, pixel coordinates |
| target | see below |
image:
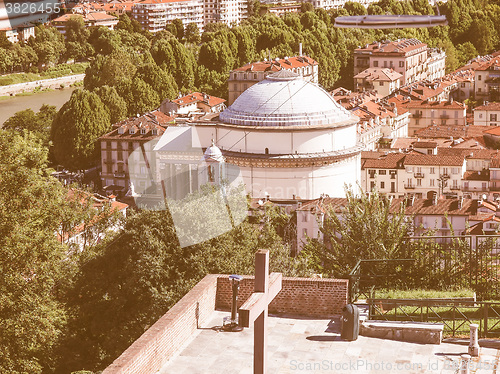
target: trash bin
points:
(350, 322)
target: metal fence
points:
(434, 262)
(455, 315)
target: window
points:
(382, 184)
(445, 171)
(480, 115)
(401, 64)
(380, 83)
(432, 182)
(154, 131)
(479, 77)
(419, 169)
(455, 183)
(479, 89)
(372, 185)
(444, 223)
(375, 64)
(304, 217)
(432, 171)
(120, 130)
(455, 170)
(466, 185)
(235, 87)
(131, 131)
(410, 182)
(493, 117)
(372, 173)
(382, 172)
(255, 76)
(484, 185)
(120, 155)
(143, 131)
(419, 182)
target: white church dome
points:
(285, 99)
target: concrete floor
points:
(297, 345)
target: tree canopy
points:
(76, 128)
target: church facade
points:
(284, 137)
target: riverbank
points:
(52, 83)
(9, 105)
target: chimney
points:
(300, 49)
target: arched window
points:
(267, 151)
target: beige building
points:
(19, 33)
(90, 19)
(154, 15)
(409, 57)
(195, 102)
(126, 136)
(424, 114)
(229, 12)
(487, 114)
(487, 80)
(382, 80)
(246, 76)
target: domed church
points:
(288, 137)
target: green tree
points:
(140, 96)
(192, 33)
(39, 124)
(48, 45)
(306, 7)
(76, 128)
(34, 265)
(354, 9)
(77, 34)
(116, 105)
(366, 228)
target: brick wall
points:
(312, 297)
(299, 296)
(148, 353)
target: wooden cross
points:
(254, 310)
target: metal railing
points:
(456, 315)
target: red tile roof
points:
(442, 207)
(436, 104)
(154, 120)
(400, 46)
(489, 106)
(379, 74)
(446, 131)
(389, 161)
(196, 97)
(421, 159)
(279, 64)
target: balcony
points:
(418, 175)
(120, 175)
(455, 188)
(417, 115)
(444, 116)
(410, 186)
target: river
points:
(11, 105)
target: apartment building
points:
(195, 102)
(229, 12)
(427, 113)
(246, 76)
(487, 114)
(487, 80)
(19, 33)
(126, 136)
(384, 81)
(90, 19)
(154, 15)
(409, 57)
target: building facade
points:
(384, 81)
(427, 113)
(242, 78)
(409, 57)
(229, 12)
(154, 15)
(487, 114)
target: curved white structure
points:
(289, 138)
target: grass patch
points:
(422, 294)
(53, 72)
